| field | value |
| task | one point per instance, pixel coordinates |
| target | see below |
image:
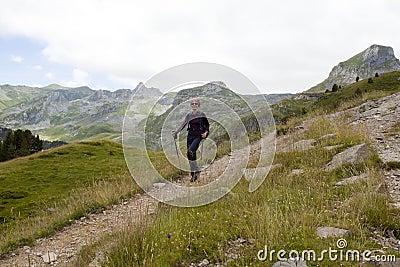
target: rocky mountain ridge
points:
(71, 114)
(375, 59)
(68, 114)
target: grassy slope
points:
(13, 95)
(51, 175)
(358, 92)
(41, 193)
(95, 132)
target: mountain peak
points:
(55, 86)
(374, 59)
(376, 52)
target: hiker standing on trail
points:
(198, 130)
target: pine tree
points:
(24, 149)
(36, 144)
(9, 146)
(2, 152)
(21, 142)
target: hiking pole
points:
(177, 153)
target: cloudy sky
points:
(282, 46)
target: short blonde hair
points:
(195, 100)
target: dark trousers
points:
(193, 142)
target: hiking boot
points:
(195, 177)
(192, 174)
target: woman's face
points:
(194, 105)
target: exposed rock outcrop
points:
(352, 155)
(375, 59)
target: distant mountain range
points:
(221, 105)
(72, 114)
(375, 59)
(68, 114)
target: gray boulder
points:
(351, 180)
(290, 263)
(352, 155)
(328, 231)
(49, 257)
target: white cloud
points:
(37, 67)
(79, 78)
(17, 59)
(289, 45)
(34, 85)
(49, 75)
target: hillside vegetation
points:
(53, 174)
(297, 108)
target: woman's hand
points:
(204, 135)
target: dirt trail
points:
(68, 242)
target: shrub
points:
(335, 88)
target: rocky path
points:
(61, 248)
(378, 119)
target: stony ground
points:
(375, 117)
(61, 248)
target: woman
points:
(198, 129)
